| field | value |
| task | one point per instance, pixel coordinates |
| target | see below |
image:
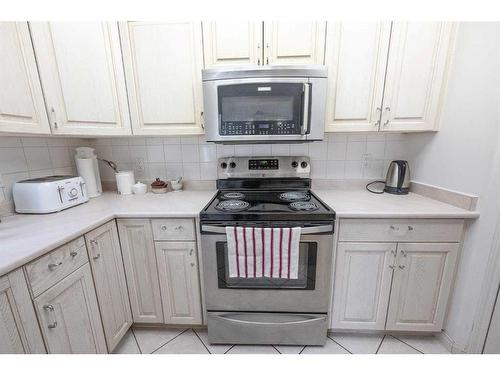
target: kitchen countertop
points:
(26, 237)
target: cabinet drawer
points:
(173, 229)
(401, 230)
(53, 267)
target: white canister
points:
(139, 188)
(124, 182)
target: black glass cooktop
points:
(266, 205)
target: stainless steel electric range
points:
(267, 192)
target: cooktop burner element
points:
(232, 205)
(233, 195)
(304, 206)
(292, 196)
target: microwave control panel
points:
(259, 128)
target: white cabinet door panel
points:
(416, 75)
(356, 55)
(22, 109)
(362, 285)
(109, 275)
(163, 63)
(136, 238)
(289, 42)
(421, 286)
(179, 282)
(19, 330)
(232, 43)
(82, 74)
(69, 315)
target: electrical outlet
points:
(139, 165)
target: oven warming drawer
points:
(266, 328)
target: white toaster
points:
(49, 194)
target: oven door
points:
(261, 109)
(309, 293)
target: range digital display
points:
(263, 164)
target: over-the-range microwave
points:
(269, 104)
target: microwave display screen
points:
(256, 108)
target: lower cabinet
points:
(139, 258)
(179, 282)
(69, 315)
(106, 261)
(19, 330)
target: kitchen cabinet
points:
(179, 282)
(69, 315)
(394, 274)
(363, 275)
(81, 70)
(136, 238)
(356, 56)
(19, 330)
(387, 76)
(163, 63)
(22, 109)
(289, 42)
(107, 268)
(421, 286)
(232, 43)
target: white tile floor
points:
(194, 341)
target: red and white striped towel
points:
(263, 252)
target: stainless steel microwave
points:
(269, 104)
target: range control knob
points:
(304, 164)
(223, 165)
(295, 164)
(73, 192)
(232, 165)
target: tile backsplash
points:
(339, 156)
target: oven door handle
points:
(305, 115)
(305, 230)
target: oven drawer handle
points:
(240, 321)
(308, 230)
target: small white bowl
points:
(139, 188)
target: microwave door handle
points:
(306, 230)
(305, 105)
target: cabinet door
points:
(417, 72)
(362, 286)
(69, 315)
(356, 56)
(163, 63)
(22, 109)
(232, 43)
(81, 69)
(179, 282)
(139, 257)
(107, 267)
(289, 42)
(19, 330)
(421, 286)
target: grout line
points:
(379, 345)
(227, 351)
(421, 352)
(136, 341)
(161, 346)
(276, 349)
(342, 346)
(199, 338)
(304, 348)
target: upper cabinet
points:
(163, 63)
(288, 42)
(387, 77)
(81, 69)
(263, 43)
(22, 109)
(232, 43)
(356, 56)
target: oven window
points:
(305, 281)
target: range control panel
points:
(259, 128)
(266, 166)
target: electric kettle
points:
(397, 180)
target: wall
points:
(30, 157)
(462, 157)
(340, 156)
